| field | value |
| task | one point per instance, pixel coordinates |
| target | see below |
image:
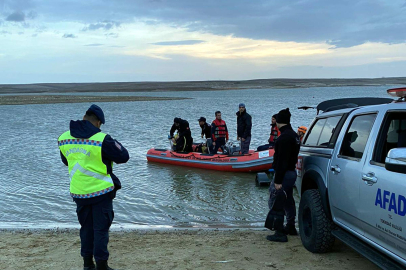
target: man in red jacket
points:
(219, 132)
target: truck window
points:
(328, 130)
(356, 137)
(392, 135)
(322, 131)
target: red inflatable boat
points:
(253, 162)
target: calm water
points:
(34, 183)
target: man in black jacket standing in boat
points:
(281, 200)
(244, 125)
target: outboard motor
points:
(231, 149)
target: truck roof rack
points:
(343, 103)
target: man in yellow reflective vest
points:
(90, 154)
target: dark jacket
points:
(183, 125)
(287, 148)
(112, 150)
(244, 124)
(206, 130)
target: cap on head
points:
(302, 129)
(283, 116)
(96, 110)
(241, 105)
(177, 120)
(201, 119)
(274, 116)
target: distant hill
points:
(193, 85)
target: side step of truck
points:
(367, 251)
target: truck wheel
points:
(314, 225)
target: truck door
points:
(382, 192)
(346, 169)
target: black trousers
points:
(95, 221)
(289, 206)
(219, 143)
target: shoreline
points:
(194, 85)
(55, 99)
(178, 249)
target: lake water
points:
(34, 183)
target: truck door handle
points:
(369, 179)
(335, 169)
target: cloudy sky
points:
(171, 40)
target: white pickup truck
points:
(352, 178)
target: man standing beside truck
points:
(281, 200)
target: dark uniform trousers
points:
(287, 204)
(95, 220)
(221, 141)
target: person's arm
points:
(284, 150)
(213, 131)
(225, 125)
(248, 126)
(172, 131)
(114, 151)
(63, 158)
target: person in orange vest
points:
(219, 132)
(301, 131)
(272, 136)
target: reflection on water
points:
(35, 185)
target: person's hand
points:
(214, 143)
(238, 138)
(242, 139)
(202, 136)
(173, 139)
(226, 141)
(278, 186)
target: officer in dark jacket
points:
(184, 141)
(244, 125)
(206, 132)
(287, 148)
(95, 210)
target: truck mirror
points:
(396, 160)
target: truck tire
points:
(314, 225)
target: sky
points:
(62, 41)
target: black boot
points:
(102, 265)
(277, 237)
(88, 263)
(290, 229)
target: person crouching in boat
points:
(206, 132)
(301, 131)
(184, 141)
(272, 137)
(219, 132)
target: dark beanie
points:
(283, 116)
(275, 116)
(177, 120)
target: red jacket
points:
(219, 130)
(275, 133)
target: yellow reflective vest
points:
(87, 172)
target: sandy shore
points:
(51, 99)
(174, 249)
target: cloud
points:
(3, 32)
(69, 36)
(112, 35)
(178, 42)
(16, 17)
(105, 25)
(94, 44)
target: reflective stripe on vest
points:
(220, 131)
(87, 172)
